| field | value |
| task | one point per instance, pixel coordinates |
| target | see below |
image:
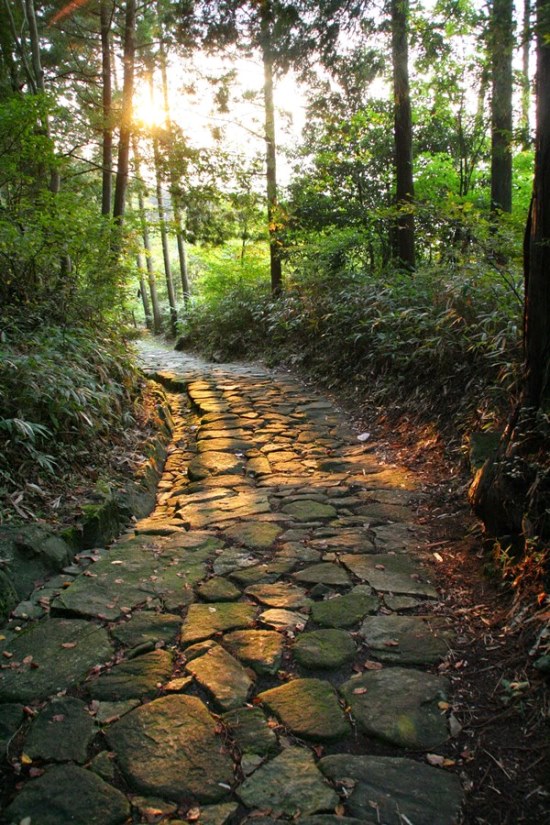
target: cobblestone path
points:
(265, 645)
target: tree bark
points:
(537, 258)
(125, 132)
(525, 79)
(107, 97)
(502, 47)
(178, 222)
(403, 134)
(164, 239)
(271, 149)
(151, 278)
(143, 291)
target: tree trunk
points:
(125, 132)
(178, 222)
(164, 239)
(151, 279)
(502, 47)
(511, 493)
(525, 79)
(107, 95)
(271, 149)
(537, 258)
(143, 291)
(403, 134)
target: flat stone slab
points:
(343, 611)
(400, 706)
(290, 784)
(278, 595)
(216, 464)
(217, 814)
(283, 619)
(138, 678)
(389, 789)
(131, 573)
(251, 732)
(323, 573)
(218, 589)
(147, 626)
(169, 748)
(61, 732)
(309, 510)
(309, 708)
(205, 620)
(259, 649)
(254, 534)
(222, 676)
(64, 650)
(68, 795)
(410, 640)
(324, 649)
(391, 574)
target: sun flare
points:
(148, 107)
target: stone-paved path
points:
(265, 645)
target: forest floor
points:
(308, 612)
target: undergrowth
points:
(436, 345)
(67, 393)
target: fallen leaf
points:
(340, 810)
(68, 645)
(439, 761)
(391, 643)
(359, 691)
(59, 717)
(26, 759)
(193, 814)
(34, 773)
(443, 705)
(379, 567)
(370, 665)
(7, 655)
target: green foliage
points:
(444, 343)
(64, 390)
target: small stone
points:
(410, 640)
(309, 510)
(218, 589)
(259, 649)
(324, 649)
(51, 799)
(137, 678)
(256, 535)
(217, 814)
(222, 676)
(103, 766)
(204, 620)
(108, 712)
(61, 732)
(250, 730)
(290, 784)
(309, 708)
(278, 595)
(283, 619)
(324, 573)
(344, 611)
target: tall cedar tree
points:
(502, 48)
(403, 133)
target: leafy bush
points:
(64, 391)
